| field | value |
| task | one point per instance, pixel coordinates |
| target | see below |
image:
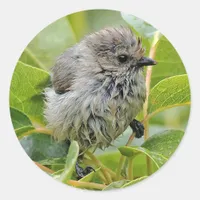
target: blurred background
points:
(42, 51)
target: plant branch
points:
(92, 163)
(122, 158)
(46, 169)
(86, 185)
(120, 166)
(152, 54)
(102, 168)
(101, 176)
(131, 138)
(37, 130)
(130, 168)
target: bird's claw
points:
(138, 128)
(83, 172)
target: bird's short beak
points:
(144, 61)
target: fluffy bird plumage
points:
(94, 95)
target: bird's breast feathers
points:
(94, 117)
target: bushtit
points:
(98, 88)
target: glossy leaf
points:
(40, 147)
(26, 90)
(56, 175)
(164, 143)
(53, 161)
(70, 162)
(168, 93)
(23, 131)
(157, 159)
(19, 119)
(169, 62)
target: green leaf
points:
(70, 162)
(53, 161)
(48, 44)
(20, 121)
(41, 146)
(23, 130)
(157, 159)
(56, 175)
(143, 28)
(116, 185)
(164, 143)
(26, 91)
(169, 62)
(134, 181)
(168, 93)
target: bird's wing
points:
(64, 71)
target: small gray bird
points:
(98, 88)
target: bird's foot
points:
(82, 172)
(138, 128)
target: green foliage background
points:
(169, 99)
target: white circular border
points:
(21, 21)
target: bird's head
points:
(117, 50)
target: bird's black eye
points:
(122, 58)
